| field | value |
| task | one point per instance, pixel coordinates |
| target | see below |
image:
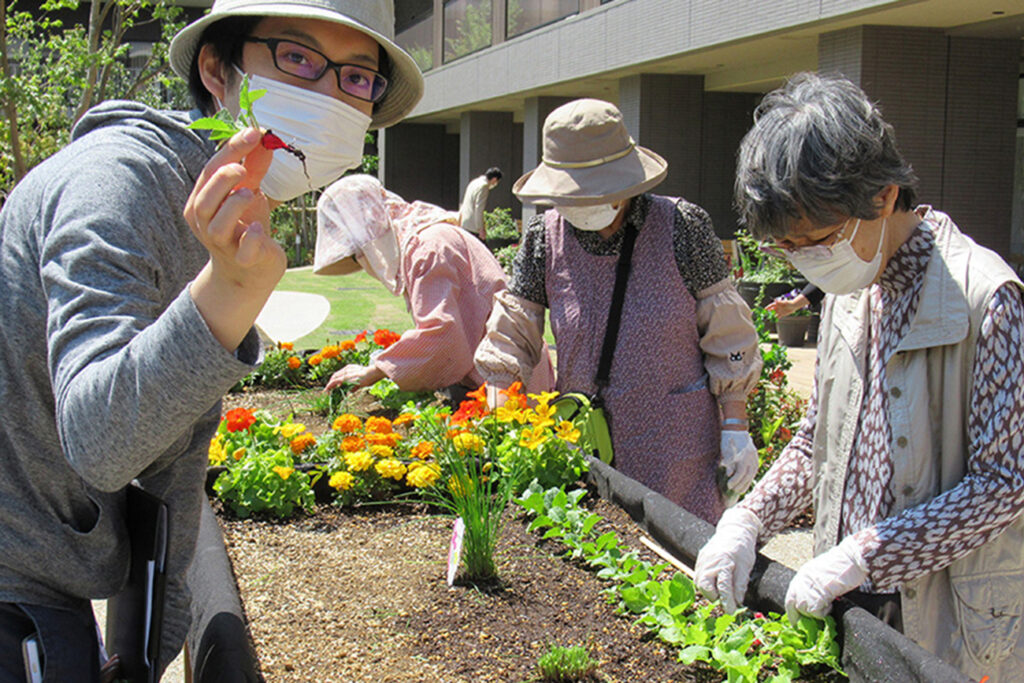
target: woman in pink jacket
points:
(416, 250)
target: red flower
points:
(469, 410)
(360, 337)
(239, 419)
(385, 338)
(777, 376)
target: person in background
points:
(448, 280)
(911, 450)
(686, 353)
(808, 296)
(471, 212)
(132, 266)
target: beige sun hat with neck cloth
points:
(375, 18)
(589, 158)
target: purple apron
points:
(664, 421)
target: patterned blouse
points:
(901, 547)
(697, 249)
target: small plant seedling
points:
(566, 664)
(223, 125)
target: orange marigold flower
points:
(360, 337)
(287, 346)
(347, 423)
(330, 351)
(389, 439)
(302, 442)
(422, 450)
(351, 444)
(469, 410)
(347, 345)
(238, 454)
(316, 359)
(385, 338)
(402, 419)
(380, 425)
(294, 362)
(479, 394)
(239, 419)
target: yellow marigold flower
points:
(468, 444)
(565, 430)
(289, 430)
(358, 461)
(287, 346)
(402, 419)
(302, 442)
(294, 362)
(216, 452)
(531, 438)
(330, 351)
(422, 450)
(424, 475)
(346, 424)
(390, 468)
(351, 444)
(341, 480)
(380, 451)
(544, 397)
(542, 416)
(284, 472)
(238, 454)
(316, 359)
(378, 425)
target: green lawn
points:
(358, 302)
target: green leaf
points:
(211, 123)
(694, 653)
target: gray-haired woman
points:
(912, 449)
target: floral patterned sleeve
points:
(530, 265)
(928, 537)
(787, 487)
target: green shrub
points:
(500, 225)
(565, 664)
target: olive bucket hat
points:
(589, 158)
(375, 18)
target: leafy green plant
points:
(565, 664)
(391, 397)
(51, 73)
(761, 263)
(506, 257)
(472, 32)
(500, 224)
(740, 645)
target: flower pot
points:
(812, 329)
(792, 329)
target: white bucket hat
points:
(589, 158)
(375, 18)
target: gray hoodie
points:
(107, 371)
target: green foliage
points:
(565, 664)
(741, 646)
(423, 56)
(472, 33)
(506, 257)
(500, 224)
(762, 263)
(392, 398)
(223, 124)
(53, 73)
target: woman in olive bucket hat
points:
(685, 338)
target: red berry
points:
(271, 141)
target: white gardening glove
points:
(724, 563)
(739, 460)
(823, 579)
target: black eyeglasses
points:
(301, 61)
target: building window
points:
(526, 15)
(467, 27)
(414, 30)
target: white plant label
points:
(455, 548)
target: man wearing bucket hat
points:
(132, 266)
(685, 338)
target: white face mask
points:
(327, 131)
(381, 258)
(590, 218)
(837, 269)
